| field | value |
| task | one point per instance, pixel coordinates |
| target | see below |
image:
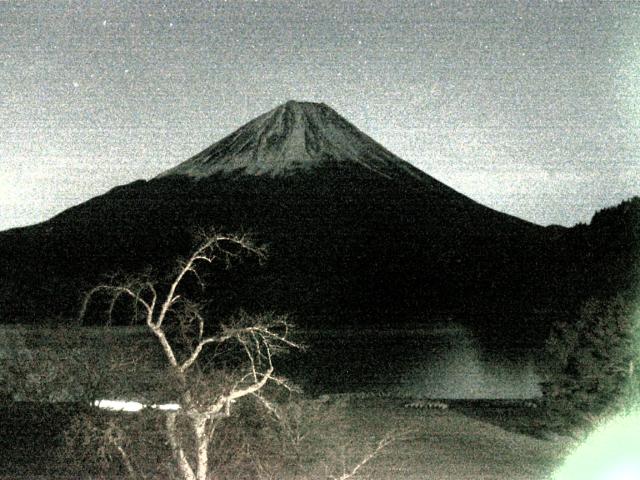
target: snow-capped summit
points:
(294, 136)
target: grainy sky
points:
(531, 108)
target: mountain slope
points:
(300, 138)
(292, 137)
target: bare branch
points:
(234, 395)
(252, 361)
(384, 442)
(268, 405)
(166, 346)
(223, 404)
(114, 290)
(112, 305)
(264, 341)
(152, 306)
(204, 253)
(198, 349)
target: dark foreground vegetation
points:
(467, 441)
(591, 364)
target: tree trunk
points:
(202, 445)
(186, 472)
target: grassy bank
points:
(466, 441)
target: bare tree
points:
(207, 392)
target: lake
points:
(438, 362)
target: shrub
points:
(590, 365)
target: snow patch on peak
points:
(293, 136)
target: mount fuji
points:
(355, 235)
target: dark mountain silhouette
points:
(356, 236)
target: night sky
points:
(531, 108)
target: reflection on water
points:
(132, 406)
(458, 370)
(433, 363)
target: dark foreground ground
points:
(469, 440)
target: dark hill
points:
(356, 236)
